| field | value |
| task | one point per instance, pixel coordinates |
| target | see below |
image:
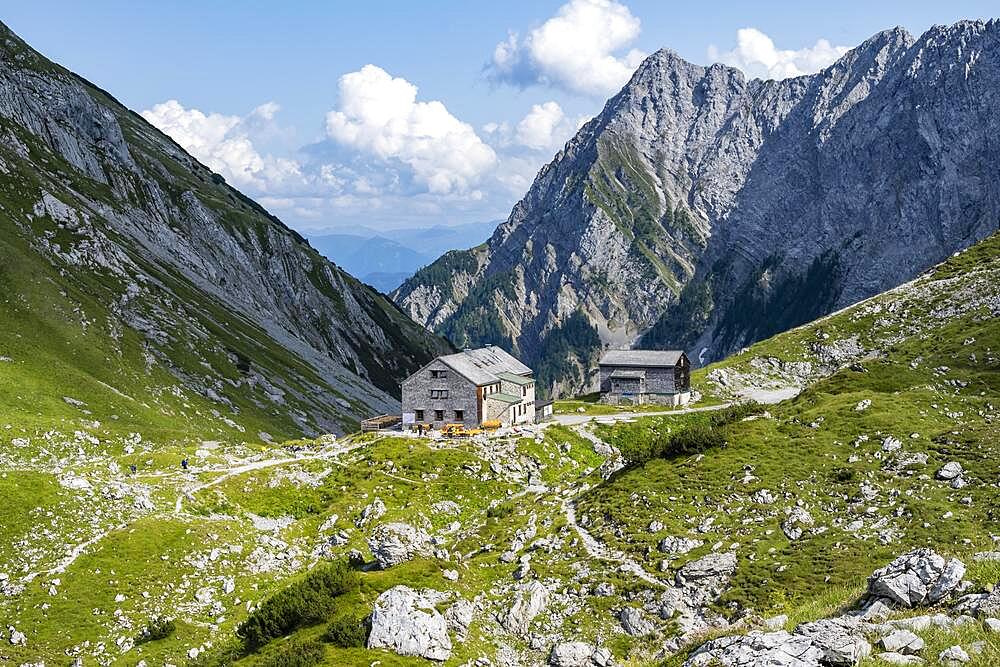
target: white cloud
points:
(756, 54)
(546, 127)
(536, 130)
(575, 50)
(380, 115)
(222, 143)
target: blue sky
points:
(394, 114)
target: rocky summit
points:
(702, 211)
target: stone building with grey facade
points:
(470, 388)
(636, 377)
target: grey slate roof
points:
(628, 375)
(505, 398)
(519, 380)
(482, 365)
(641, 358)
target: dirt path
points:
(577, 419)
(594, 547)
(328, 452)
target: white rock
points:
(949, 471)
(406, 622)
(916, 578)
(395, 543)
(571, 654)
(953, 656)
(530, 599)
(902, 641)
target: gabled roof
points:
(641, 358)
(481, 366)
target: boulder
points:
(635, 623)
(395, 543)
(920, 577)
(762, 497)
(677, 546)
(980, 604)
(949, 471)
(795, 523)
(406, 622)
(775, 649)
(459, 617)
(839, 639)
(954, 655)
(571, 654)
(530, 599)
(711, 567)
(372, 512)
(901, 641)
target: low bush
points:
(694, 439)
(734, 413)
(295, 654)
(306, 602)
(158, 628)
(347, 631)
(500, 510)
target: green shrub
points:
(500, 510)
(694, 439)
(158, 628)
(295, 654)
(307, 602)
(842, 475)
(347, 631)
(735, 412)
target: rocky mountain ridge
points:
(146, 246)
(703, 211)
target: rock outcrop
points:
(395, 543)
(917, 578)
(406, 621)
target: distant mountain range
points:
(704, 211)
(384, 262)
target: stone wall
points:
(461, 396)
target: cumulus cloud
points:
(222, 142)
(379, 114)
(579, 49)
(546, 127)
(756, 54)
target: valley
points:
(184, 476)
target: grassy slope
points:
(933, 379)
(159, 559)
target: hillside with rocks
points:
(704, 211)
(142, 293)
(852, 524)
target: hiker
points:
(133, 468)
(184, 464)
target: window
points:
(439, 393)
(439, 374)
(439, 415)
(459, 415)
(420, 415)
(524, 391)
